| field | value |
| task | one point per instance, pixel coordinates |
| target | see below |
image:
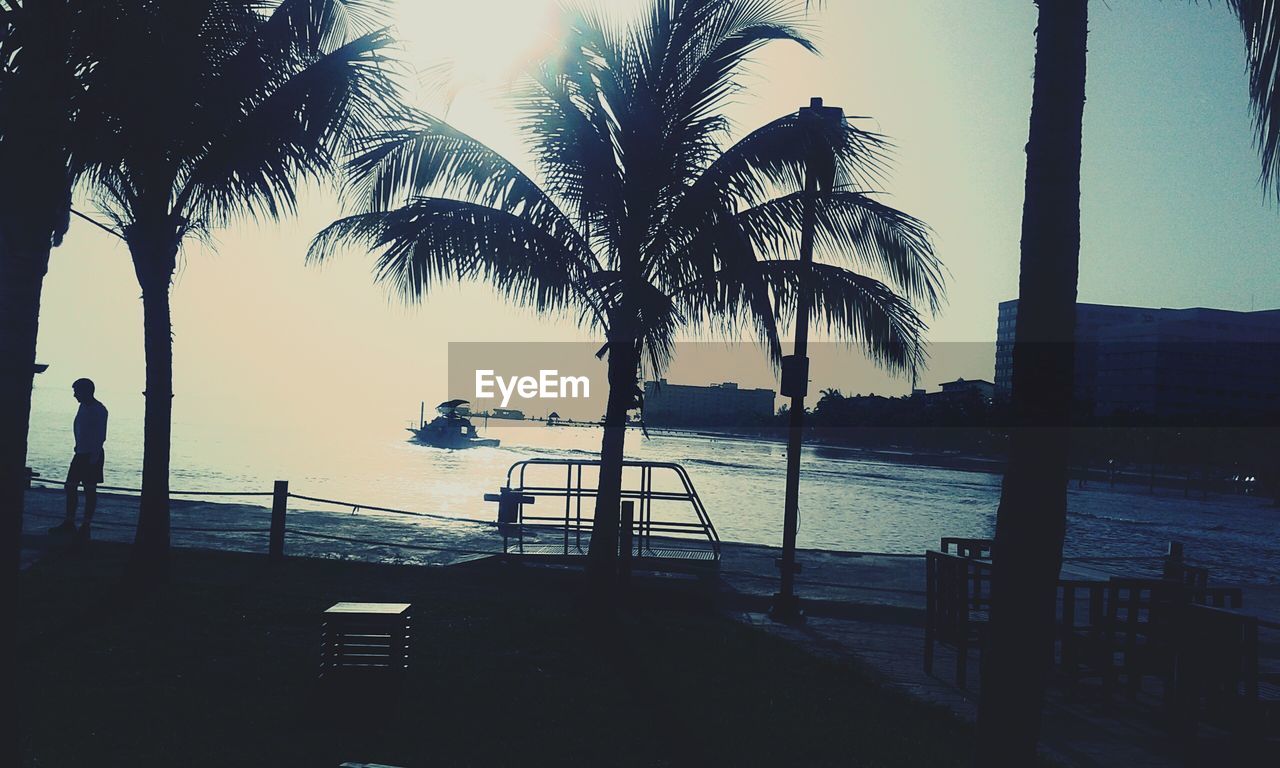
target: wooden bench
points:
(1132, 627)
(1217, 597)
(1080, 631)
(1193, 576)
(1142, 616)
(972, 548)
(1219, 680)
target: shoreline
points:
(832, 581)
(957, 461)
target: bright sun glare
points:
(483, 42)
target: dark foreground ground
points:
(219, 668)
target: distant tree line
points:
(963, 422)
(1206, 451)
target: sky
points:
(1172, 212)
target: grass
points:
(218, 668)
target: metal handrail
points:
(573, 491)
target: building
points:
(1165, 362)
(963, 387)
(684, 405)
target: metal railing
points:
(651, 536)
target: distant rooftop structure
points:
(1165, 361)
(959, 389)
(961, 386)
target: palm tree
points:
(45, 50)
(1031, 521)
(37, 69)
(644, 222)
(208, 110)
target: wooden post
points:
(624, 540)
(279, 503)
(1173, 561)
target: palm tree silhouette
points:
(209, 110)
(46, 48)
(1031, 521)
(643, 222)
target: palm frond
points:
(1260, 22)
(774, 158)
(854, 308)
(850, 227)
(433, 157)
(569, 113)
(429, 240)
(45, 50)
(777, 154)
(320, 26)
(710, 45)
(254, 163)
(206, 110)
(732, 300)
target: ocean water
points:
(848, 502)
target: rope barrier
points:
(220, 493)
(58, 483)
(357, 507)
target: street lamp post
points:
(795, 367)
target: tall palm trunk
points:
(21, 280)
(1031, 523)
(22, 270)
(154, 258)
(602, 558)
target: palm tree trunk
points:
(21, 277)
(154, 266)
(602, 558)
(1031, 522)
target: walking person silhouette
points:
(86, 465)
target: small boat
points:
(450, 429)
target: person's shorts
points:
(85, 468)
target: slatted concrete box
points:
(371, 639)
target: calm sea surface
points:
(847, 502)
